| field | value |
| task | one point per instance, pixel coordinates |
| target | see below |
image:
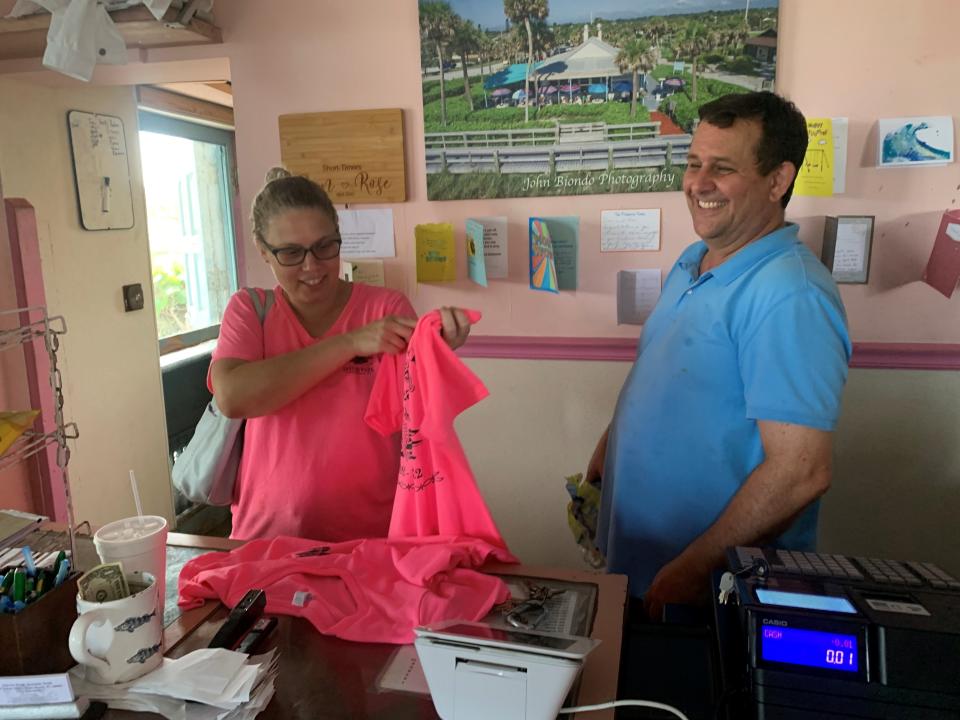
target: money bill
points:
(103, 583)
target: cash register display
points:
(810, 648)
(511, 636)
(827, 603)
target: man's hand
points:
(595, 466)
(456, 326)
(386, 335)
(682, 580)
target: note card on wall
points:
(101, 172)
(625, 230)
(847, 242)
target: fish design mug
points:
(119, 640)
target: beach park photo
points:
(525, 98)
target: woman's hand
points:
(386, 335)
(456, 326)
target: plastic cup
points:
(140, 543)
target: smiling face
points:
(312, 285)
(730, 202)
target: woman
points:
(311, 467)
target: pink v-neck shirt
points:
(314, 468)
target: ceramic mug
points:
(121, 639)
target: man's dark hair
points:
(783, 135)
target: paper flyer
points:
(435, 252)
(815, 176)
(367, 233)
(637, 295)
(565, 235)
(476, 266)
(494, 246)
(369, 272)
(543, 270)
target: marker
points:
(61, 556)
(5, 603)
(29, 561)
(62, 572)
(19, 585)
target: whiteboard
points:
(101, 171)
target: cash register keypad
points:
(824, 565)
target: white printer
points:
(476, 671)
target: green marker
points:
(19, 585)
(61, 556)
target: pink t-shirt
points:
(421, 392)
(374, 590)
(313, 468)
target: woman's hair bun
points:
(275, 173)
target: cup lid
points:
(132, 528)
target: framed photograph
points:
(530, 99)
(847, 242)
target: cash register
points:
(809, 635)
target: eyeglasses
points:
(291, 255)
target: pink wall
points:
(859, 58)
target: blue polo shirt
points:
(763, 336)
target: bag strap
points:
(262, 307)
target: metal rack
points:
(32, 442)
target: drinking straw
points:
(136, 496)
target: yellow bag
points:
(13, 424)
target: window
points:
(187, 177)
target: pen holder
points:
(34, 640)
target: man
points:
(722, 431)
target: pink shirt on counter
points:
(313, 468)
(374, 590)
(421, 392)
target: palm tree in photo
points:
(485, 50)
(437, 22)
(637, 56)
(465, 41)
(523, 11)
(694, 44)
(544, 40)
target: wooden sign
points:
(356, 155)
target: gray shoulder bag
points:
(206, 471)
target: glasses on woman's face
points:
(290, 255)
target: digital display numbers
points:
(827, 603)
(811, 648)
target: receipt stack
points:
(208, 684)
